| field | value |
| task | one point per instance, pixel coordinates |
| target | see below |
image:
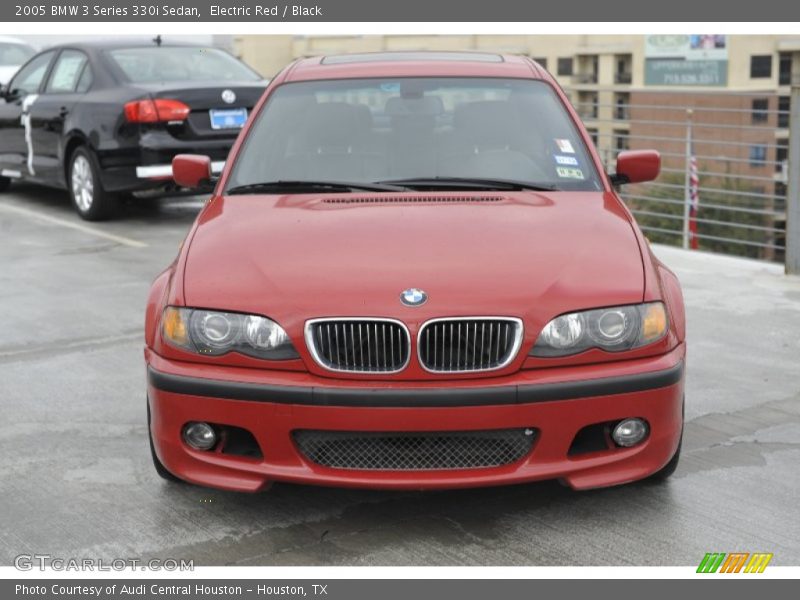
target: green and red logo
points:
(734, 562)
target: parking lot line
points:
(125, 241)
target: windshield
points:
(13, 55)
(160, 64)
(380, 130)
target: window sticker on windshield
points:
(566, 160)
(391, 87)
(565, 146)
(568, 173)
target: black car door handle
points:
(63, 112)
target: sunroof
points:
(342, 59)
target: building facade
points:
(637, 91)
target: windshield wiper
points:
(330, 187)
(470, 183)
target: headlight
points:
(215, 333)
(613, 329)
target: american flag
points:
(694, 200)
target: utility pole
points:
(793, 189)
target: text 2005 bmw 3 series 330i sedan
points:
(414, 273)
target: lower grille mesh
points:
(414, 451)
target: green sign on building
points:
(686, 60)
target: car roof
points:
(415, 64)
(113, 44)
(5, 39)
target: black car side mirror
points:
(7, 94)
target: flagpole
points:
(687, 190)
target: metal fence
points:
(740, 144)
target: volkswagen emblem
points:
(413, 297)
(228, 97)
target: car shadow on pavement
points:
(307, 525)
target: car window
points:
(158, 64)
(371, 130)
(13, 55)
(86, 80)
(66, 72)
(29, 78)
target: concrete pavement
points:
(76, 478)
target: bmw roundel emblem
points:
(413, 297)
(228, 96)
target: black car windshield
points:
(176, 64)
(13, 55)
(425, 129)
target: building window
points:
(587, 105)
(589, 67)
(621, 140)
(565, 66)
(622, 73)
(784, 106)
(781, 154)
(622, 107)
(542, 62)
(758, 155)
(593, 134)
(785, 69)
(761, 67)
(760, 113)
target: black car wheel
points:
(160, 468)
(4, 183)
(91, 201)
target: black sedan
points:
(104, 119)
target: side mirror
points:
(637, 166)
(191, 170)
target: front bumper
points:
(558, 403)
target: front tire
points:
(5, 182)
(90, 200)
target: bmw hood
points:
(522, 254)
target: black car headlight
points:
(612, 329)
(214, 333)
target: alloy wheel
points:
(82, 183)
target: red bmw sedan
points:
(414, 272)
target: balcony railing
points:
(586, 78)
(742, 202)
(623, 78)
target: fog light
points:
(200, 436)
(629, 432)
